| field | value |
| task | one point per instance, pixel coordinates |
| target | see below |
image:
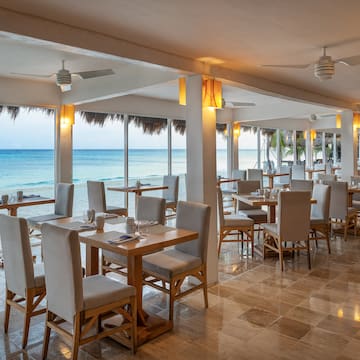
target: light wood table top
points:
(155, 238)
(272, 176)
(13, 206)
(311, 171)
(137, 190)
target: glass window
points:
(247, 148)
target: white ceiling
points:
(241, 34)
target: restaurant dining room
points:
(183, 191)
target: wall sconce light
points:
(356, 121)
(212, 94)
(182, 91)
(226, 132)
(338, 121)
(312, 134)
(305, 134)
(236, 129)
(67, 115)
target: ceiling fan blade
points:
(299, 66)
(242, 104)
(33, 75)
(352, 60)
(94, 74)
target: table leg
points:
(92, 260)
(271, 182)
(350, 197)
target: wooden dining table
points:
(351, 191)
(260, 200)
(271, 177)
(12, 206)
(155, 238)
(310, 172)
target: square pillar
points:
(349, 143)
(201, 162)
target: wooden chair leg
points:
(133, 305)
(308, 253)
(171, 300)
(9, 296)
(47, 332)
(205, 291)
(76, 337)
(281, 257)
(28, 311)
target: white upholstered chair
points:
(355, 180)
(171, 194)
(234, 225)
(326, 177)
(340, 213)
(166, 270)
(298, 172)
(148, 208)
(255, 174)
(64, 199)
(320, 214)
(97, 199)
(291, 232)
(253, 212)
(83, 303)
(301, 185)
(25, 282)
(281, 181)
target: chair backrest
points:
(196, 217)
(64, 199)
(338, 199)
(63, 273)
(327, 177)
(301, 185)
(172, 192)
(255, 174)
(19, 269)
(96, 195)
(238, 174)
(321, 210)
(294, 215)
(246, 187)
(283, 169)
(151, 208)
(298, 172)
(355, 181)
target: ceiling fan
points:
(324, 67)
(63, 76)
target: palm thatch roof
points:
(14, 111)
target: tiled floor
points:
(255, 312)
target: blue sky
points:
(35, 130)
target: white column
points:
(308, 150)
(278, 152)
(201, 162)
(230, 150)
(63, 151)
(169, 147)
(295, 159)
(349, 140)
(126, 158)
(235, 150)
(323, 147)
(258, 133)
(334, 149)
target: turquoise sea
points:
(33, 172)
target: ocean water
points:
(33, 172)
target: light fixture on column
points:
(182, 91)
(305, 134)
(356, 121)
(67, 115)
(338, 121)
(236, 129)
(312, 134)
(212, 94)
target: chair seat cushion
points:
(115, 258)
(317, 221)
(270, 227)
(237, 220)
(39, 275)
(100, 290)
(38, 220)
(116, 210)
(169, 263)
(258, 215)
(352, 211)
